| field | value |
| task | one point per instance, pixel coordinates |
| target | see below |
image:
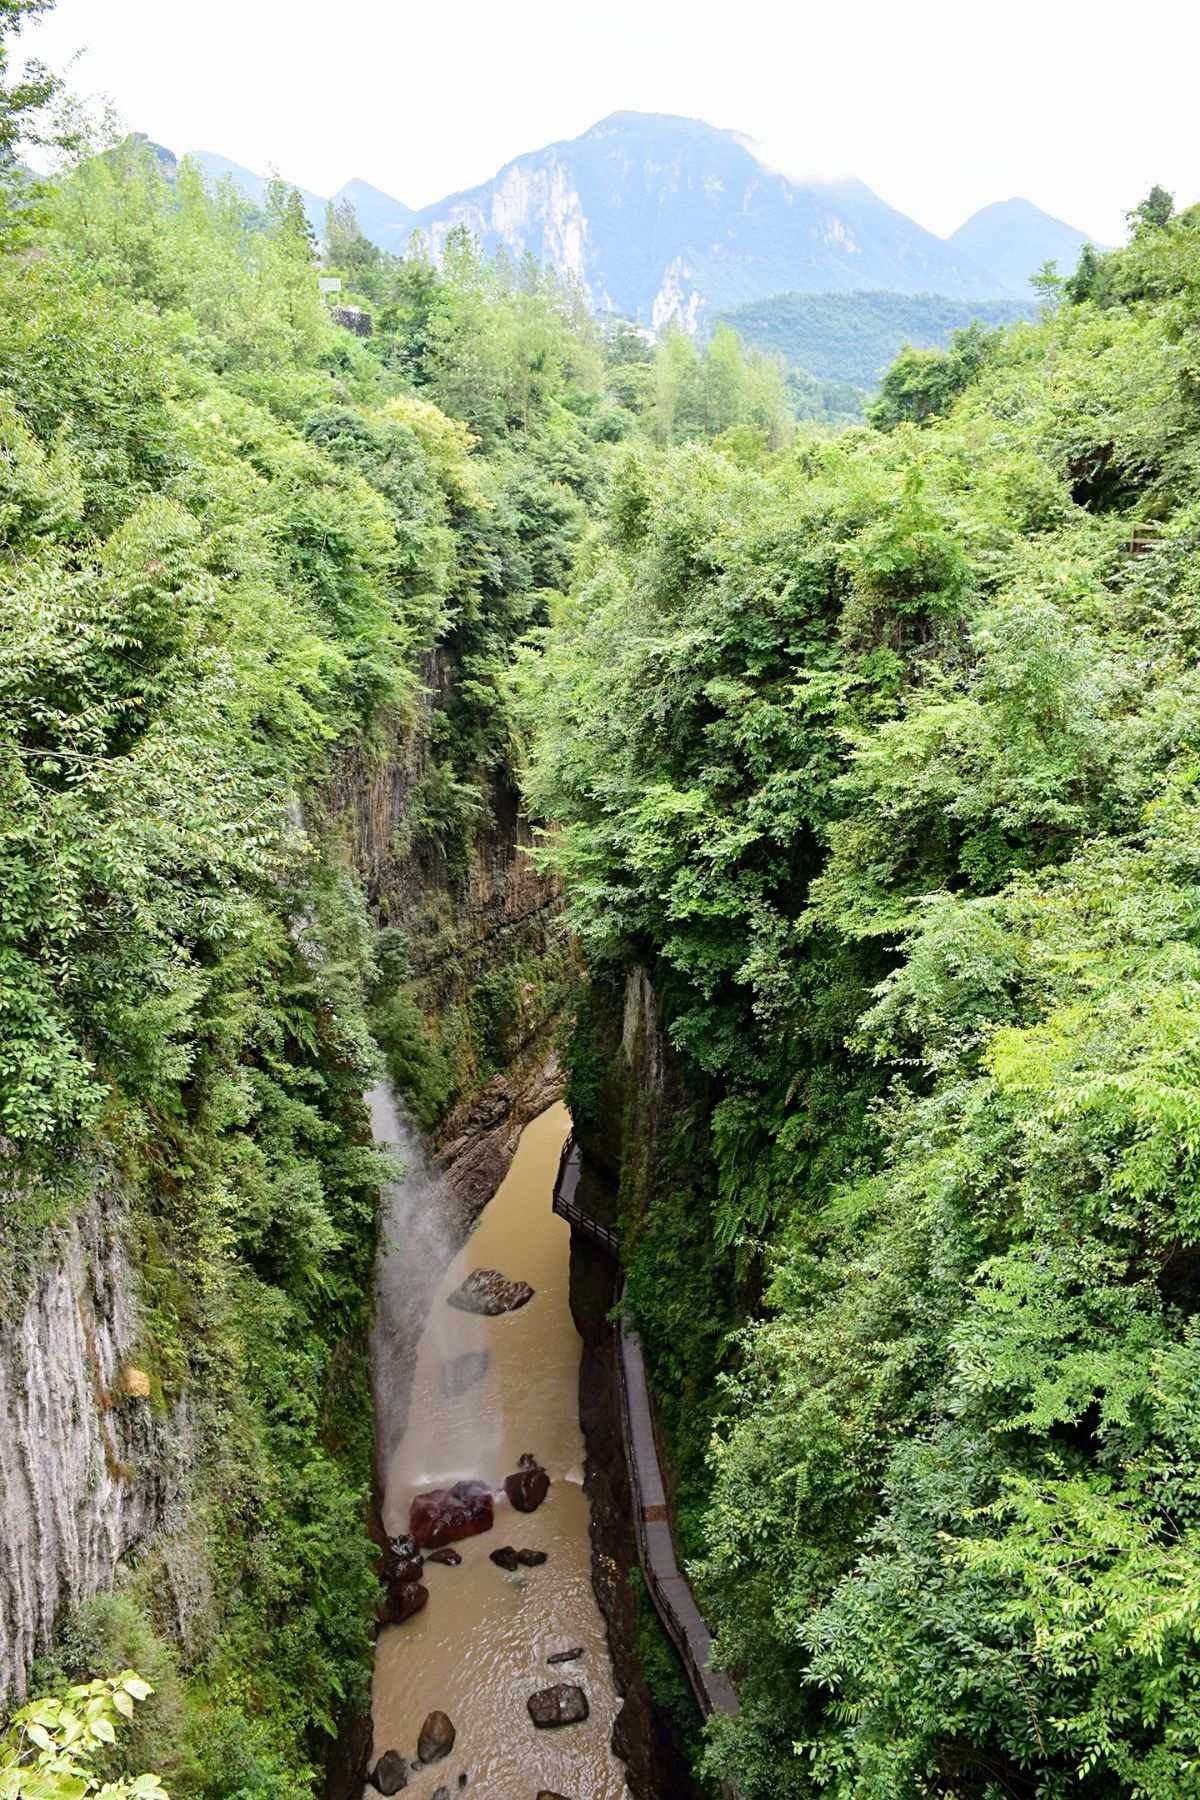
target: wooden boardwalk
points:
(668, 1587)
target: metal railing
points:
(668, 1588)
(567, 1207)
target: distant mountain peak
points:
(1014, 238)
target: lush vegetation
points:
(246, 551)
(855, 337)
(880, 753)
(882, 757)
(51, 1748)
(839, 347)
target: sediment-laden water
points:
(479, 1648)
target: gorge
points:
(418, 734)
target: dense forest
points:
(877, 752)
(881, 758)
(838, 347)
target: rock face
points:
(562, 1704)
(88, 1470)
(461, 1373)
(489, 1292)
(528, 1487)
(390, 1773)
(444, 1515)
(436, 1739)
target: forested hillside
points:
(854, 337)
(881, 759)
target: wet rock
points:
(460, 1373)
(401, 1562)
(563, 1704)
(446, 1514)
(565, 1656)
(531, 1559)
(390, 1773)
(451, 1558)
(401, 1602)
(489, 1292)
(545, 1794)
(528, 1487)
(505, 1558)
(436, 1739)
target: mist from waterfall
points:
(420, 1234)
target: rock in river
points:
(401, 1562)
(529, 1486)
(505, 1558)
(531, 1559)
(562, 1704)
(390, 1773)
(401, 1602)
(447, 1514)
(489, 1292)
(436, 1739)
(562, 1656)
(460, 1373)
(451, 1558)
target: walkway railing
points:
(668, 1588)
(567, 1207)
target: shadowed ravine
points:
(479, 1648)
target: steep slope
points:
(1013, 238)
(661, 217)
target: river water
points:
(479, 1648)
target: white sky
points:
(939, 105)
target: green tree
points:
(50, 1747)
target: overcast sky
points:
(939, 105)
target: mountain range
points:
(662, 218)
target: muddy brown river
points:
(479, 1648)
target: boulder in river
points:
(565, 1656)
(460, 1373)
(545, 1794)
(562, 1704)
(528, 1487)
(390, 1773)
(446, 1555)
(505, 1558)
(489, 1292)
(436, 1739)
(401, 1562)
(401, 1602)
(444, 1515)
(531, 1559)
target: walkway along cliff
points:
(673, 1599)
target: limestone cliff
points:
(90, 1464)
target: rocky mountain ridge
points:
(667, 219)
